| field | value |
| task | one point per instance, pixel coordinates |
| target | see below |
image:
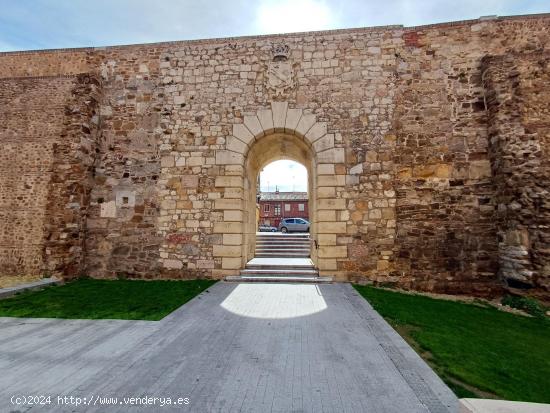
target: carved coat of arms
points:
(280, 75)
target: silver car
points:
(294, 225)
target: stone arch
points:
(273, 147)
(297, 135)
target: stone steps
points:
(288, 254)
(282, 279)
(281, 258)
(280, 269)
(294, 272)
(283, 245)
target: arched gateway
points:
(269, 135)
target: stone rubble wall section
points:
(71, 182)
(517, 97)
(32, 115)
(408, 186)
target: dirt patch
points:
(11, 281)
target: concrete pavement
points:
(235, 348)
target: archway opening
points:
(282, 194)
(268, 149)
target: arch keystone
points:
(279, 110)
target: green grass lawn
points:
(477, 350)
(95, 299)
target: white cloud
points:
(40, 24)
(285, 175)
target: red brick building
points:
(275, 206)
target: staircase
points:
(279, 245)
(281, 258)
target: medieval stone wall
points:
(519, 133)
(31, 122)
(408, 182)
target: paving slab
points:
(501, 406)
(234, 348)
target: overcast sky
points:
(286, 176)
(42, 24)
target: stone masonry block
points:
(357, 169)
(229, 158)
(232, 239)
(326, 215)
(235, 145)
(324, 143)
(266, 120)
(292, 118)
(172, 264)
(325, 169)
(224, 203)
(318, 130)
(228, 227)
(334, 155)
(331, 180)
(279, 115)
(331, 228)
(233, 193)
(205, 264)
(327, 264)
(240, 131)
(326, 192)
(334, 203)
(333, 251)
(253, 125)
(229, 263)
(305, 123)
(326, 239)
(229, 181)
(108, 210)
(226, 250)
(167, 161)
(189, 181)
(233, 215)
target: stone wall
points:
(517, 98)
(48, 132)
(31, 121)
(403, 130)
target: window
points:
(266, 208)
(301, 207)
(287, 207)
(125, 200)
(277, 210)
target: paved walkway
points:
(235, 348)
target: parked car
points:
(294, 225)
(267, 228)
